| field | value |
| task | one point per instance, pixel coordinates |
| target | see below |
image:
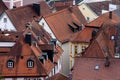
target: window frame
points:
(5, 20)
(30, 63)
(10, 64)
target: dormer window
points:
(30, 63)
(10, 64)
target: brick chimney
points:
(110, 15)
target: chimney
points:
(28, 38)
(110, 15)
(36, 7)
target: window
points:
(88, 18)
(5, 20)
(10, 64)
(83, 48)
(30, 63)
(42, 24)
(76, 50)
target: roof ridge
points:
(58, 12)
(21, 7)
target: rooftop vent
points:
(28, 25)
(35, 43)
(45, 56)
(38, 37)
(42, 59)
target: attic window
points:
(88, 19)
(30, 63)
(10, 64)
(97, 67)
(5, 20)
(42, 24)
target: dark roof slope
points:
(98, 22)
(97, 7)
(2, 7)
(60, 22)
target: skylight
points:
(97, 67)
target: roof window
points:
(97, 67)
(112, 37)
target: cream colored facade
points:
(76, 49)
(87, 12)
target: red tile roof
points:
(62, 5)
(2, 7)
(105, 44)
(26, 14)
(59, 22)
(102, 45)
(84, 69)
(98, 22)
(22, 51)
(58, 76)
(83, 36)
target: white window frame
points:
(30, 63)
(10, 64)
